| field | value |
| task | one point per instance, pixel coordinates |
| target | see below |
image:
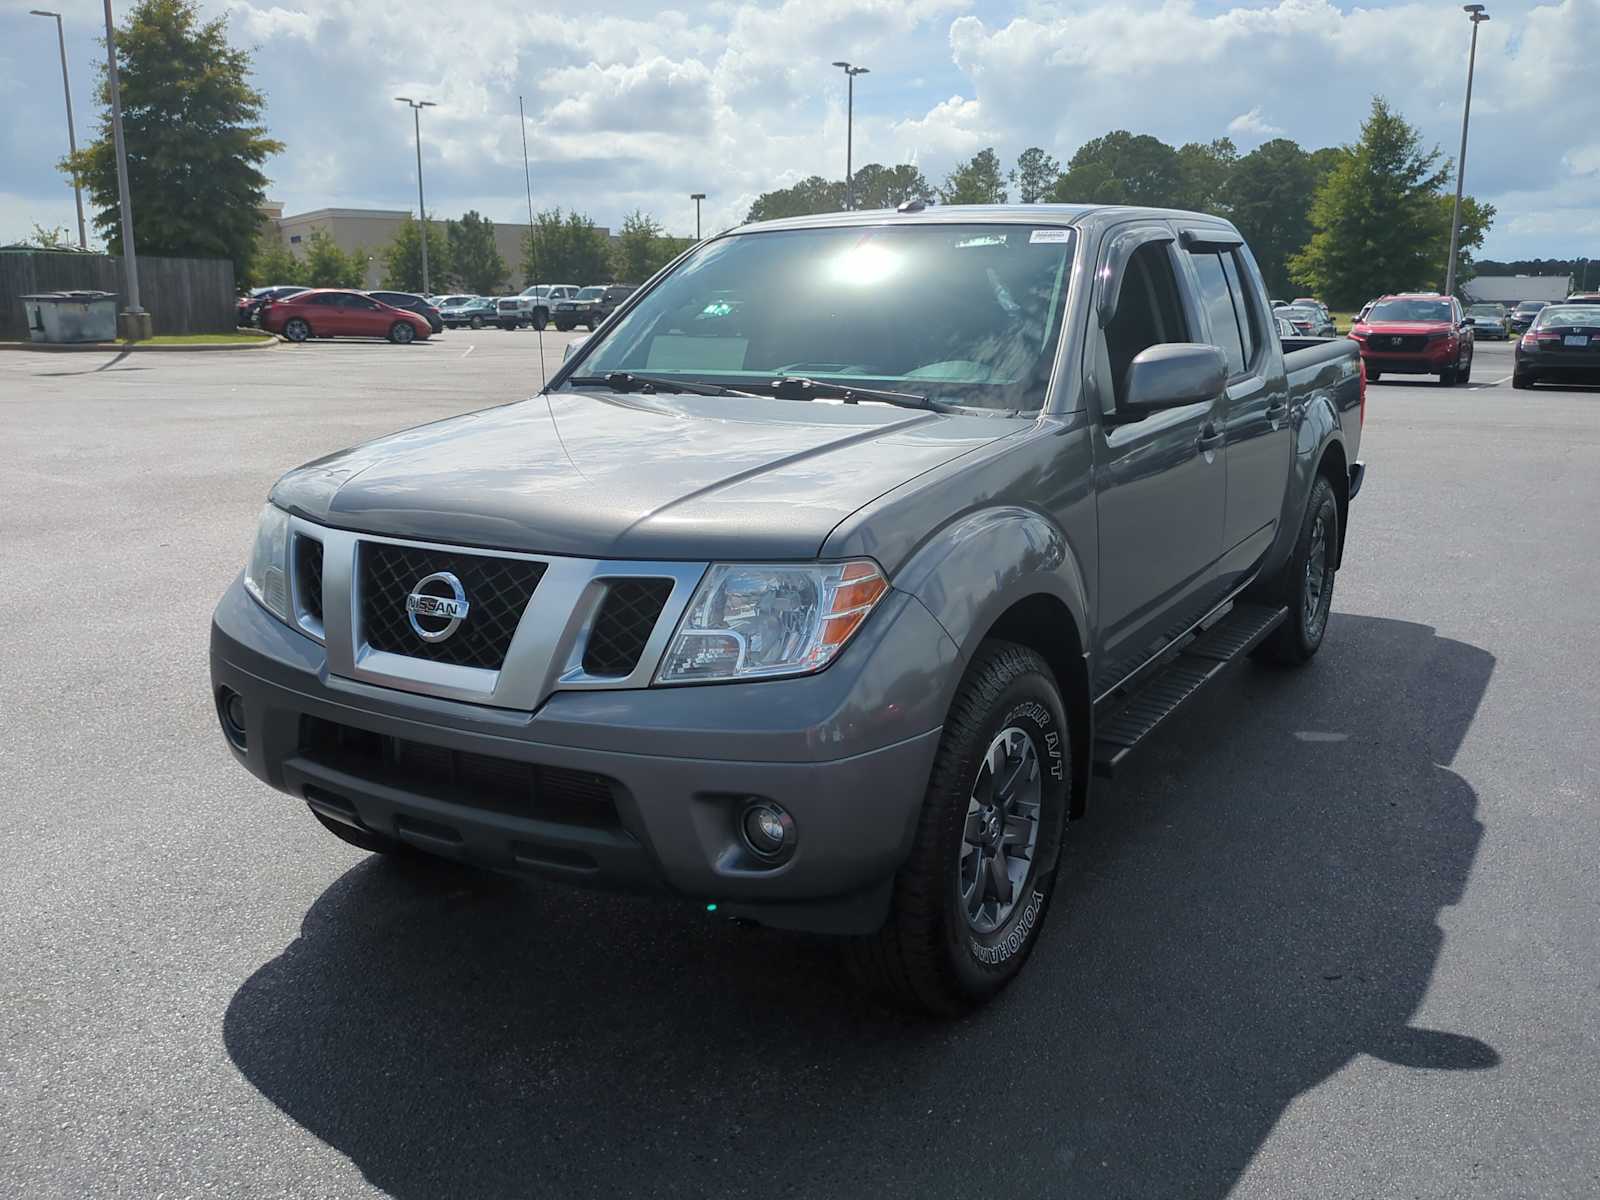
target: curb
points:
(136, 347)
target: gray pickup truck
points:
(822, 585)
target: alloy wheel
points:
(1001, 831)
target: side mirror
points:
(1172, 375)
(572, 347)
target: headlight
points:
(755, 622)
(266, 575)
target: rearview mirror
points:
(572, 347)
(1172, 375)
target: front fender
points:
(976, 568)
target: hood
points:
(1408, 326)
(640, 477)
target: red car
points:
(330, 312)
(1417, 334)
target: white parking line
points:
(474, 346)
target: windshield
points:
(1410, 310)
(968, 314)
(1486, 310)
(1573, 314)
(1531, 306)
(591, 293)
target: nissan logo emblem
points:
(437, 613)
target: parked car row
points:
(564, 305)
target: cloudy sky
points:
(634, 106)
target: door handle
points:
(1277, 409)
(1209, 438)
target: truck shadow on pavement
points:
(1253, 906)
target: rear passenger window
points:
(1217, 300)
(1243, 309)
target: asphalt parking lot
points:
(1336, 934)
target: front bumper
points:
(676, 767)
(1430, 360)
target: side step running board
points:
(1131, 719)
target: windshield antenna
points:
(533, 249)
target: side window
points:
(331, 299)
(1217, 300)
(1149, 311)
(1243, 307)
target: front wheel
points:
(296, 330)
(1463, 374)
(1306, 585)
(476, 322)
(540, 319)
(970, 900)
(1447, 377)
(400, 333)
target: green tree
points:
(1205, 168)
(565, 250)
(477, 264)
(328, 266)
(274, 263)
(878, 186)
(1376, 215)
(194, 134)
(814, 194)
(642, 248)
(402, 257)
(1035, 175)
(1268, 196)
(979, 180)
(1122, 168)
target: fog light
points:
(768, 830)
(230, 707)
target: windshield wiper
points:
(630, 381)
(800, 387)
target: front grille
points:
(627, 616)
(497, 591)
(1407, 342)
(308, 576)
(502, 785)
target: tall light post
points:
(1477, 14)
(849, 129)
(138, 323)
(72, 137)
(697, 197)
(422, 213)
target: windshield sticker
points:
(1050, 235)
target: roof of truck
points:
(982, 214)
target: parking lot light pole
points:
(849, 129)
(697, 197)
(72, 137)
(1477, 15)
(137, 326)
(422, 213)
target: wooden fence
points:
(183, 295)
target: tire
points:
(1522, 380)
(508, 326)
(295, 329)
(365, 839)
(402, 334)
(1305, 588)
(1465, 373)
(540, 319)
(933, 955)
(562, 327)
(476, 322)
(1447, 377)
(1374, 376)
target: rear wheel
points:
(1523, 379)
(476, 322)
(1306, 585)
(296, 329)
(400, 333)
(971, 898)
(540, 319)
(1374, 376)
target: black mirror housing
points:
(1171, 375)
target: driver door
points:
(1161, 479)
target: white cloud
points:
(1252, 124)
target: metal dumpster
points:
(71, 316)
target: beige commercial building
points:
(369, 230)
